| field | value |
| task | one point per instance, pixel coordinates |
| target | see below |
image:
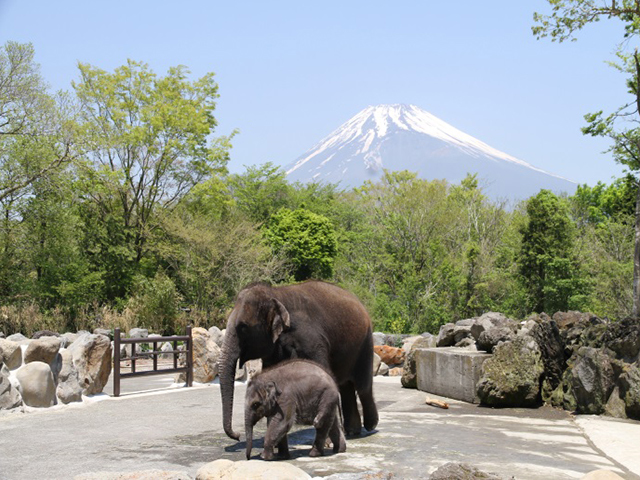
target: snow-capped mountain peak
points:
(400, 137)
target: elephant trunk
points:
(227, 371)
(248, 428)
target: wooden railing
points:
(117, 359)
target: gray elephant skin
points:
(313, 320)
(294, 391)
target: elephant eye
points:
(255, 405)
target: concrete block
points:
(450, 372)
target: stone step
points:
(450, 372)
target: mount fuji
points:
(406, 137)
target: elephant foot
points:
(266, 455)
(315, 452)
(353, 431)
(284, 455)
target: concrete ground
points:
(181, 429)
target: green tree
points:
(150, 142)
(261, 191)
(547, 263)
(621, 127)
(307, 239)
(37, 132)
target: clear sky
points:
(290, 72)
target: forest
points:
(117, 210)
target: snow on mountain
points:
(406, 137)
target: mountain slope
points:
(405, 137)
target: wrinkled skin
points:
(311, 320)
(295, 391)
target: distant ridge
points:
(406, 137)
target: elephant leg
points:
(323, 423)
(352, 422)
(276, 433)
(337, 437)
(283, 449)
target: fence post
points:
(189, 357)
(116, 362)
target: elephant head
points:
(260, 401)
(253, 328)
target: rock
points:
(630, 391)
(461, 332)
(253, 367)
(601, 475)
(36, 385)
(383, 371)
(569, 319)
(409, 377)
(216, 335)
(44, 333)
(615, 406)
(511, 377)
(10, 354)
(67, 339)
(138, 333)
(446, 336)
(489, 339)
(547, 336)
(426, 340)
(107, 332)
(2, 335)
(92, 358)
(205, 357)
(376, 363)
(623, 338)
(139, 475)
(461, 471)
(18, 338)
(390, 355)
(250, 469)
(69, 388)
(9, 396)
(43, 349)
(396, 372)
(467, 343)
(165, 348)
(591, 379)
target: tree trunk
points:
(636, 260)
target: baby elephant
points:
(294, 391)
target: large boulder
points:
(630, 391)
(376, 363)
(68, 338)
(461, 471)
(37, 386)
(139, 475)
(511, 377)
(107, 332)
(491, 320)
(18, 338)
(205, 357)
(623, 338)
(43, 349)
(446, 335)
(547, 335)
(591, 379)
(389, 355)
(10, 354)
(223, 469)
(407, 343)
(490, 338)
(69, 388)
(216, 335)
(92, 358)
(44, 333)
(570, 319)
(9, 396)
(379, 338)
(409, 376)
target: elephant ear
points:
(273, 392)
(281, 320)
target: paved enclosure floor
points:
(181, 429)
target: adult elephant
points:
(313, 320)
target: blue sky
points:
(291, 72)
